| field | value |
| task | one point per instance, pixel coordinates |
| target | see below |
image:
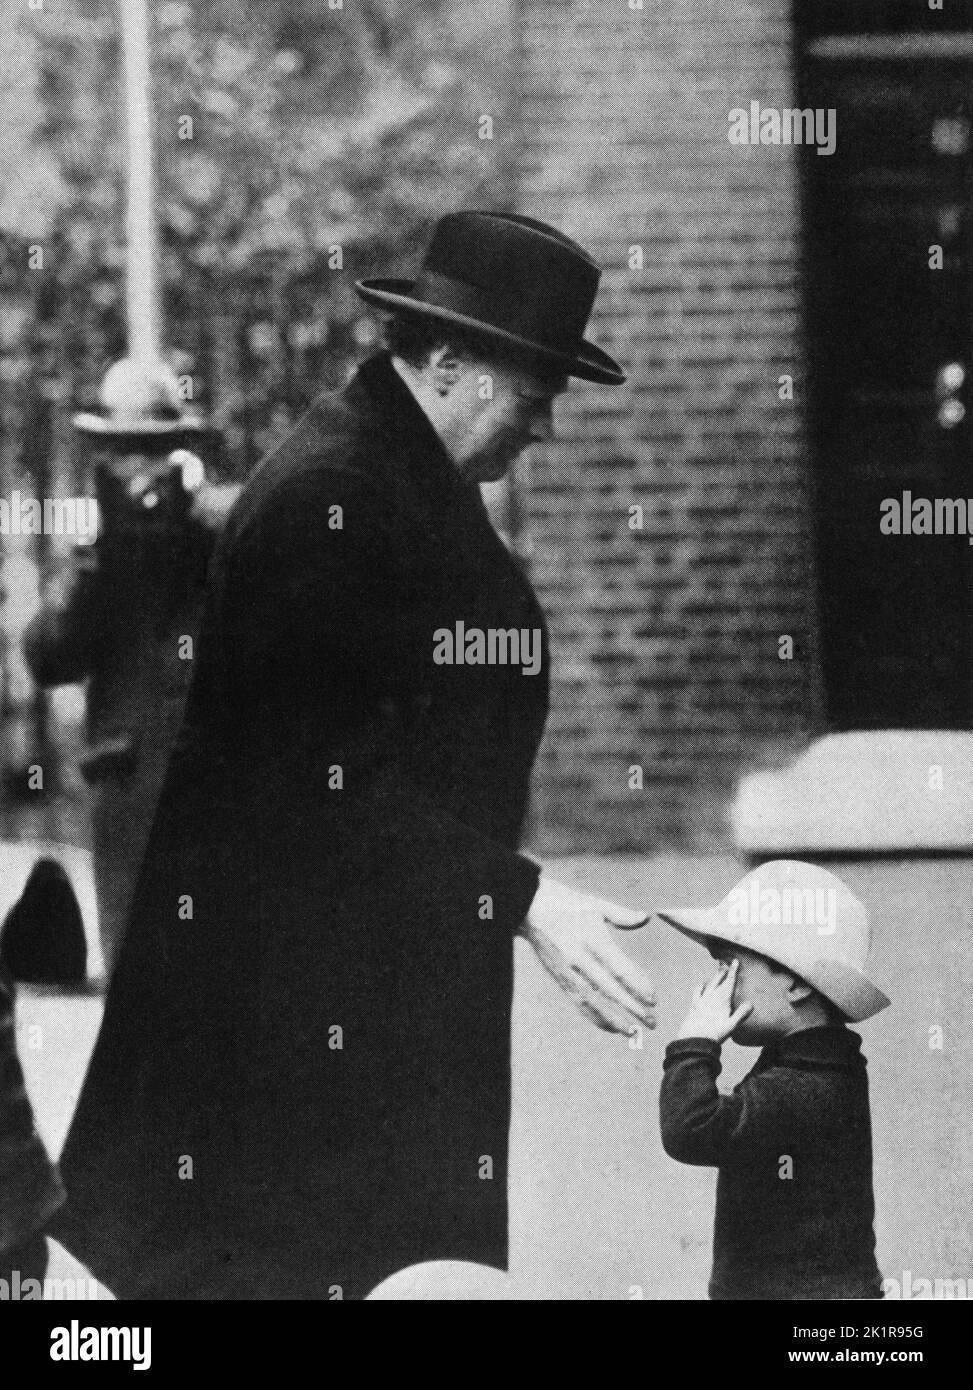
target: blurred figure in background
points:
(124, 618)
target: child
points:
(792, 1143)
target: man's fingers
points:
(586, 999)
(607, 1022)
(626, 973)
(740, 1014)
(606, 993)
(605, 987)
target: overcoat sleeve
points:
(327, 647)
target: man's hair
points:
(414, 336)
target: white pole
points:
(142, 300)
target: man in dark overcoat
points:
(302, 1081)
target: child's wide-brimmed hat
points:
(802, 917)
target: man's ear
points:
(446, 368)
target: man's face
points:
(501, 410)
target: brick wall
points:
(666, 639)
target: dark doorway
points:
(890, 355)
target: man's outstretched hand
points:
(569, 931)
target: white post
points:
(142, 300)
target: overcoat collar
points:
(452, 506)
(379, 391)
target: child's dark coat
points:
(794, 1201)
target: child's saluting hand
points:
(711, 1014)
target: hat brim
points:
(590, 363)
(845, 986)
(92, 422)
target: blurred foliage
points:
(310, 127)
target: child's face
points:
(767, 989)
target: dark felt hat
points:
(509, 278)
